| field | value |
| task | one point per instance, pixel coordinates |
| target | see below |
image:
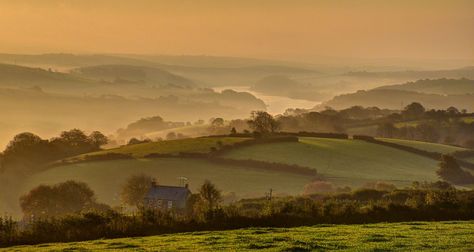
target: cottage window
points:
(170, 204)
(159, 203)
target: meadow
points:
(107, 177)
(196, 145)
(346, 162)
(426, 146)
(405, 236)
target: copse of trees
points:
(59, 200)
(27, 151)
(262, 123)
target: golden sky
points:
(293, 29)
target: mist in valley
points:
(260, 97)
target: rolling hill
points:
(343, 162)
(282, 85)
(129, 74)
(194, 145)
(346, 162)
(439, 86)
(397, 99)
(21, 76)
(464, 72)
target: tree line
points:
(419, 202)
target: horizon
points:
(303, 30)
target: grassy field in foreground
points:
(433, 147)
(199, 145)
(409, 236)
(346, 162)
(106, 178)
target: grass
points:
(407, 236)
(106, 178)
(433, 147)
(198, 145)
(346, 162)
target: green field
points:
(346, 162)
(407, 236)
(106, 177)
(433, 147)
(198, 145)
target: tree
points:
(413, 111)
(26, 149)
(98, 139)
(65, 198)
(210, 195)
(73, 142)
(135, 189)
(171, 136)
(262, 122)
(450, 171)
(217, 122)
(452, 110)
(233, 131)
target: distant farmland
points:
(106, 178)
(407, 236)
(432, 147)
(197, 145)
(343, 162)
(348, 162)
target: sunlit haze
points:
(272, 29)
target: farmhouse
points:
(167, 198)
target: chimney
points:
(153, 182)
(186, 186)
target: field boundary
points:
(429, 154)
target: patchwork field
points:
(409, 236)
(106, 178)
(433, 147)
(346, 162)
(199, 145)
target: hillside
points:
(405, 236)
(346, 162)
(245, 182)
(67, 61)
(397, 99)
(195, 145)
(282, 85)
(21, 76)
(465, 72)
(432, 147)
(439, 86)
(129, 74)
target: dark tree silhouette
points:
(135, 189)
(449, 170)
(262, 122)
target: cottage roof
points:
(175, 193)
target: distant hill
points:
(397, 99)
(20, 76)
(437, 94)
(465, 72)
(132, 74)
(282, 85)
(440, 86)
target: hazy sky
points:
(274, 29)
